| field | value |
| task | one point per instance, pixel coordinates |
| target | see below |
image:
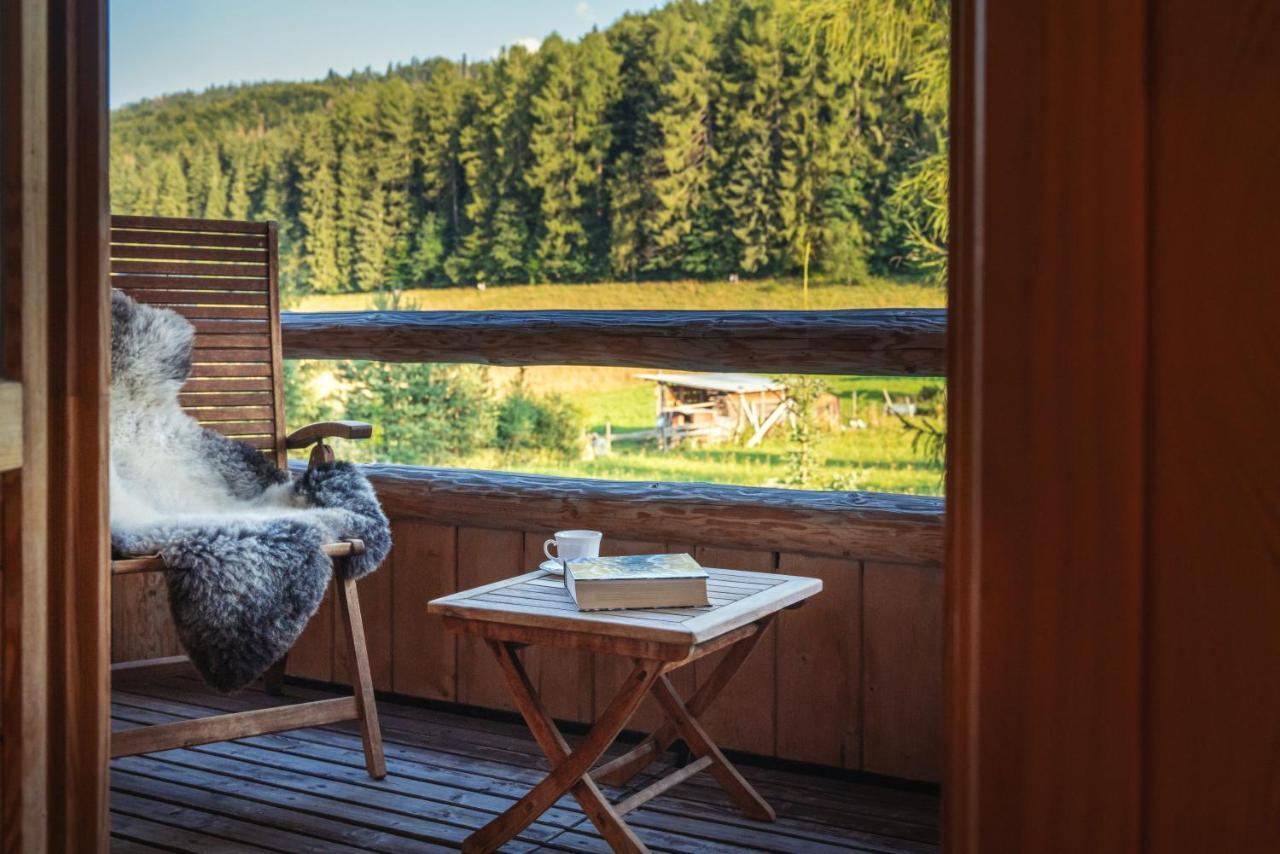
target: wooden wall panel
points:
(755, 686)
(1212, 759)
(1045, 492)
(801, 695)
(565, 677)
(819, 666)
(424, 563)
(140, 623)
(902, 670)
(376, 609)
(484, 555)
(610, 670)
(312, 656)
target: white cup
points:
(571, 545)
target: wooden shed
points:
(725, 407)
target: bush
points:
(526, 422)
(422, 413)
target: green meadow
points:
(871, 450)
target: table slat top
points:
(539, 599)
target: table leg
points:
(746, 797)
(620, 770)
(568, 768)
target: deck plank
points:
(449, 773)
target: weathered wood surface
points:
(539, 600)
(452, 773)
(10, 425)
(168, 263)
(802, 695)
(855, 525)
(885, 342)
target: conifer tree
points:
(748, 119)
(569, 141)
(171, 189)
(681, 158)
(318, 217)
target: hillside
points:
(696, 141)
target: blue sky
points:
(161, 46)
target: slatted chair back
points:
(223, 277)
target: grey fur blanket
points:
(242, 539)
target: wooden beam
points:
(148, 739)
(884, 342)
(10, 425)
(1045, 557)
(856, 525)
(79, 350)
(24, 585)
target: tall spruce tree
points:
(748, 120)
(681, 158)
(318, 217)
(697, 139)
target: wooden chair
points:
(222, 276)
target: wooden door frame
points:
(1046, 475)
(54, 699)
(1112, 485)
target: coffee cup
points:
(572, 545)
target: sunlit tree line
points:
(699, 140)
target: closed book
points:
(636, 581)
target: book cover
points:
(635, 567)
(636, 581)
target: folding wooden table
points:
(535, 609)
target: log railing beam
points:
(852, 525)
(877, 342)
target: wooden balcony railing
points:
(871, 702)
(883, 342)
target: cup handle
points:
(546, 550)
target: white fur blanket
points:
(242, 540)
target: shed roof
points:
(737, 383)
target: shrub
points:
(528, 422)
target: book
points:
(636, 581)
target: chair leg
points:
(362, 680)
(273, 679)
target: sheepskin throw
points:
(243, 540)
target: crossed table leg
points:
(570, 771)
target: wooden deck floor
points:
(448, 774)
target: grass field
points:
(876, 456)
(764, 294)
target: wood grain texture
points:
(885, 342)
(819, 666)
(141, 627)
(312, 656)
(423, 564)
(375, 593)
(902, 671)
(609, 670)
(1213, 530)
(179, 224)
(1046, 416)
(79, 341)
(237, 343)
(484, 556)
(120, 236)
(856, 525)
(24, 597)
(236, 725)
(755, 686)
(565, 678)
(10, 425)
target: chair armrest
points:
(312, 433)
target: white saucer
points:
(552, 566)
